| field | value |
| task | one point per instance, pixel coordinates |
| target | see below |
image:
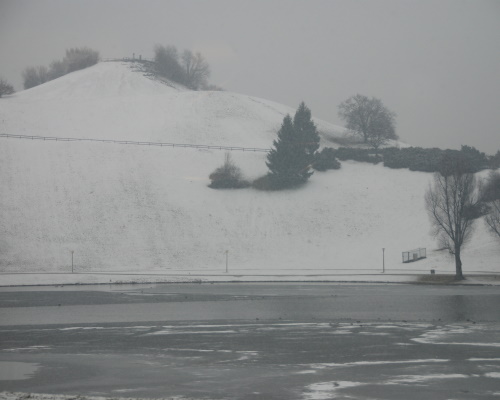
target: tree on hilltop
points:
(189, 69)
(76, 58)
(168, 65)
(196, 69)
(5, 88)
(369, 119)
(34, 76)
(57, 69)
(80, 58)
(291, 159)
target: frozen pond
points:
(254, 341)
(184, 302)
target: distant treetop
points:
(76, 58)
(369, 119)
(189, 69)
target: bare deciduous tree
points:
(34, 76)
(451, 204)
(492, 219)
(196, 68)
(79, 58)
(490, 195)
(167, 63)
(76, 58)
(369, 119)
(5, 88)
(57, 69)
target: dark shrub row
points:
(361, 155)
(418, 158)
(431, 160)
(468, 159)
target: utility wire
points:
(131, 142)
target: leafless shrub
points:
(5, 88)
(228, 176)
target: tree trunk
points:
(458, 265)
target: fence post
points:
(383, 260)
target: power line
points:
(136, 143)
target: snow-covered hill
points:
(136, 208)
(115, 100)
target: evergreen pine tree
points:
(293, 154)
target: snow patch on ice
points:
(369, 363)
(192, 350)
(403, 379)
(327, 390)
(473, 344)
(440, 334)
(247, 355)
(29, 348)
(193, 332)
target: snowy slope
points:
(112, 101)
(135, 208)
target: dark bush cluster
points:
(270, 182)
(432, 160)
(476, 158)
(494, 161)
(325, 160)
(354, 154)
(490, 190)
(414, 158)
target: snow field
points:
(125, 208)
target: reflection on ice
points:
(11, 370)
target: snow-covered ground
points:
(147, 210)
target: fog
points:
(435, 63)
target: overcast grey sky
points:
(436, 63)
